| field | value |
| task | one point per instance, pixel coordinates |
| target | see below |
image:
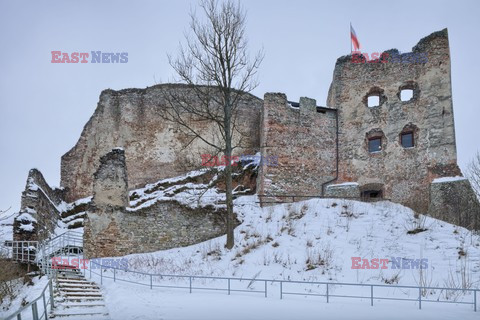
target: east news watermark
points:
(61, 263)
(385, 57)
(397, 263)
(216, 161)
(89, 57)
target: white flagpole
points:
(350, 36)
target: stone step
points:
(83, 294)
(79, 299)
(79, 290)
(79, 314)
(75, 281)
(80, 305)
(79, 285)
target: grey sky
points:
(44, 106)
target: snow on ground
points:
(129, 302)
(312, 240)
(316, 239)
(26, 293)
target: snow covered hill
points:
(316, 240)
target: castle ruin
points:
(400, 150)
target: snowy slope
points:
(316, 239)
(312, 240)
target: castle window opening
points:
(407, 140)
(373, 101)
(375, 144)
(372, 194)
(406, 94)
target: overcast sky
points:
(44, 106)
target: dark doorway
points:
(372, 195)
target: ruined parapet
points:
(39, 210)
(112, 228)
(155, 148)
(400, 172)
(301, 136)
(453, 200)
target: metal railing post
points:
(420, 298)
(475, 300)
(371, 295)
(50, 287)
(327, 292)
(228, 286)
(151, 285)
(44, 305)
(90, 263)
(281, 290)
(265, 288)
(35, 311)
(114, 276)
(190, 284)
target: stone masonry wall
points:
(38, 213)
(404, 174)
(164, 225)
(455, 202)
(155, 148)
(303, 139)
(111, 229)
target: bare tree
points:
(473, 173)
(215, 64)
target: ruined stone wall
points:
(164, 225)
(155, 148)
(403, 174)
(38, 213)
(455, 202)
(111, 229)
(303, 138)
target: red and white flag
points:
(353, 36)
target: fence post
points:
(50, 287)
(190, 284)
(475, 300)
(35, 311)
(265, 288)
(101, 274)
(90, 265)
(281, 290)
(228, 286)
(371, 295)
(19, 316)
(114, 276)
(420, 298)
(151, 284)
(44, 305)
(327, 292)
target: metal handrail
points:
(282, 283)
(34, 306)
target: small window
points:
(407, 140)
(375, 144)
(373, 101)
(406, 95)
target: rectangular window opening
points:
(406, 95)
(407, 140)
(373, 101)
(375, 144)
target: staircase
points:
(77, 298)
(68, 295)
